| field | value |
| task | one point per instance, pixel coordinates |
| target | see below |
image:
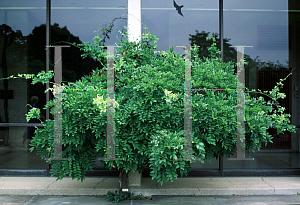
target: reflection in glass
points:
(80, 21)
(18, 19)
(265, 26)
(173, 29)
(179, 24)
(77, 22)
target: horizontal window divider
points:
(21, 125)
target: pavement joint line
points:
(29, 200)
(49, 185)
(268, 184)
(99, 183)
(232, 199)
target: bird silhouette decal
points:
(178, 8)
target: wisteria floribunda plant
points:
(149, 112)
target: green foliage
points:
(149, 113)
(34, 113)
(164, 150)
(42, 77)
(115, 197)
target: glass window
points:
(22, 31)
(196, 19)
(190, 24)
(267, 26)
(79, 21)
(270, 26)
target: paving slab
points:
(156, 200)
(51, 186)
(284, 185)
(195, 186)
(90, 186)
(24, 185)
(206, 186)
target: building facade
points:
(269, 28)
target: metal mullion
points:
(48, 36)
(48, 32)
(221, 168)
(221, 29)
(20, 125)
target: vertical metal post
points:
(110, 126)
(58, 104)
(110, 103)
(240, 105)
(188, 105)
(48, 33)
(221, 29)
(188, 117)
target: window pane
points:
(79, 21)
(267, 26)
(174, 29)
(195, 21)
(19, 21)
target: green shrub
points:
(149, 113)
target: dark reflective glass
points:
(18, 43)
(80, 21)
(190, 24)
(187, 25)
(268, 27)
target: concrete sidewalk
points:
(181, 186)
(156, 200)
